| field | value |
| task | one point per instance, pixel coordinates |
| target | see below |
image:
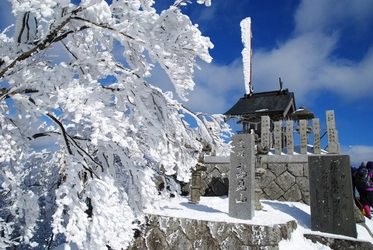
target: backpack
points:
(362, 178)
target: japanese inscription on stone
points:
(265, 131)
(290, 137)
(332, 207)
(278, 137)
(303, 136)
(333, 145)
(316, 136)
(242, 177)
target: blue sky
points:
(321, 49)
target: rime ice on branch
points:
(247, 53)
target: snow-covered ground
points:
(274, 212)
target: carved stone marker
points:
(290, 137)
(195, 189)
(303, 136)
(333, 145)
(242, 177)
(278, 137)
(332, 208)
(265, 127)
(316, 136)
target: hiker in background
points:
(363, 183)
(354, 188)
(370, 188)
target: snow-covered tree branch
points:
(113, 137)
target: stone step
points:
(163, 232)
(339, 243)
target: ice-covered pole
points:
(247, 54)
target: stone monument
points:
(333, 145)
(242, 177)
(195, 188)
(332, 203)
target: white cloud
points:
(358, 153)
(298, 62)
(324, 15)
(217, 87)
(308, 62)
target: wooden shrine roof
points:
(280, 103)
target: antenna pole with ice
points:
(247, 54)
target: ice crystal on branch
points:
(77, 74)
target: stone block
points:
(219, 186)
(332, 207)
(285, 181)
(303, 184)
(205, 241)
(192, 228)
(277, 168)
(214, 173)
(156, 240)
(230, 242)
(296, 169)
(281, 199)
(178, 240)
(273, 191)
(293, 194)
(223, 168)
(218, 230)
(209, 169)
(168, 223)
(267, 178)
(264, 196)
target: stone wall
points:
(166, 233)
(285, 178)
(215, 180)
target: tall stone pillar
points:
(195, 189)
(265, 129)
(333, 144)
(242, 177)
(290, 137)
(316, 136)
(278, 137)
(303, 136)
(259, 171)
